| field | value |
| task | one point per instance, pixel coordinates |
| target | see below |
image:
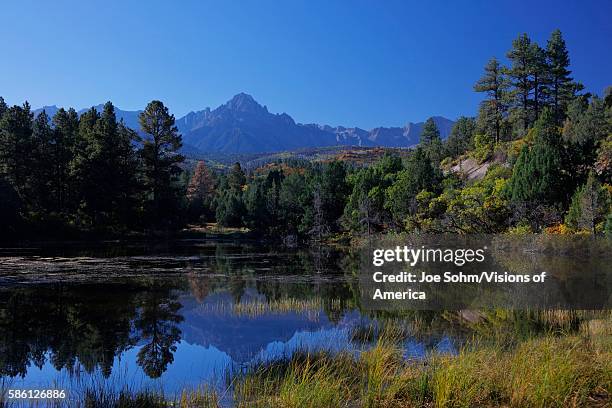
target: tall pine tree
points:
(495, 84)
(16, 149)
(160, 156)
(562, 87)
(520, 76)
(431, 141)
(66, 128)
(43, 143)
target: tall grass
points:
(549, 371)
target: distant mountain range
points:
(244, 126)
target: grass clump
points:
(470, 379)
(553, 372)
(550, 371)
(305, 380)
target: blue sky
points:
(364, 63)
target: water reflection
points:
(165, 317)
(177, 317)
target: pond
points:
(175, 317)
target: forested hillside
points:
(545, 143)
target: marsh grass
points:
(312, 307)
(552, 370)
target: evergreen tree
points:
(607, 97)
(16, 148)
(83, 169)
(495, 84)
(430, 132)
(104, 168)
(520, 75)
(540, 74)
(562, 87)
(43, 146)
(236, 178)
(431, 141)
(332, 194)
(66, 127)
(294, 199)
(418, 175)
(10, 211)
(461, 137)
(365, 208)
(258, 217)
(126, 186)
(3, 107)
(230, 208)
(590, 205)
(160, 157)
(529, 76)
(585, 128)
(537, 175)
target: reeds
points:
(547, 371)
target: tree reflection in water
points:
(87, 327)
(157, 324)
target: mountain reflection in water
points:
(180, 319)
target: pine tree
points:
(431, 141)
(540, 74)
(258, 217)
(430, 132)
(495, 84)
(230, 208)
(419, 175)
(294, 198)
(126, 194)
(160, 156)
(104, 168)
(563, 89)
(16, 148)
(43, 146)
(333, 193)
(83, 169)
(3, 107)
(584, 130)
(236, 178)
(537, 175)
(461, 137)
(66, 127)
(520, 75)
(607, 97)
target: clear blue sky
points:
(336, 62)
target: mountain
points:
(242, 125)
(130, 118)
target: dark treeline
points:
(89, 172)
(544, 147)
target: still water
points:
(176, 317)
